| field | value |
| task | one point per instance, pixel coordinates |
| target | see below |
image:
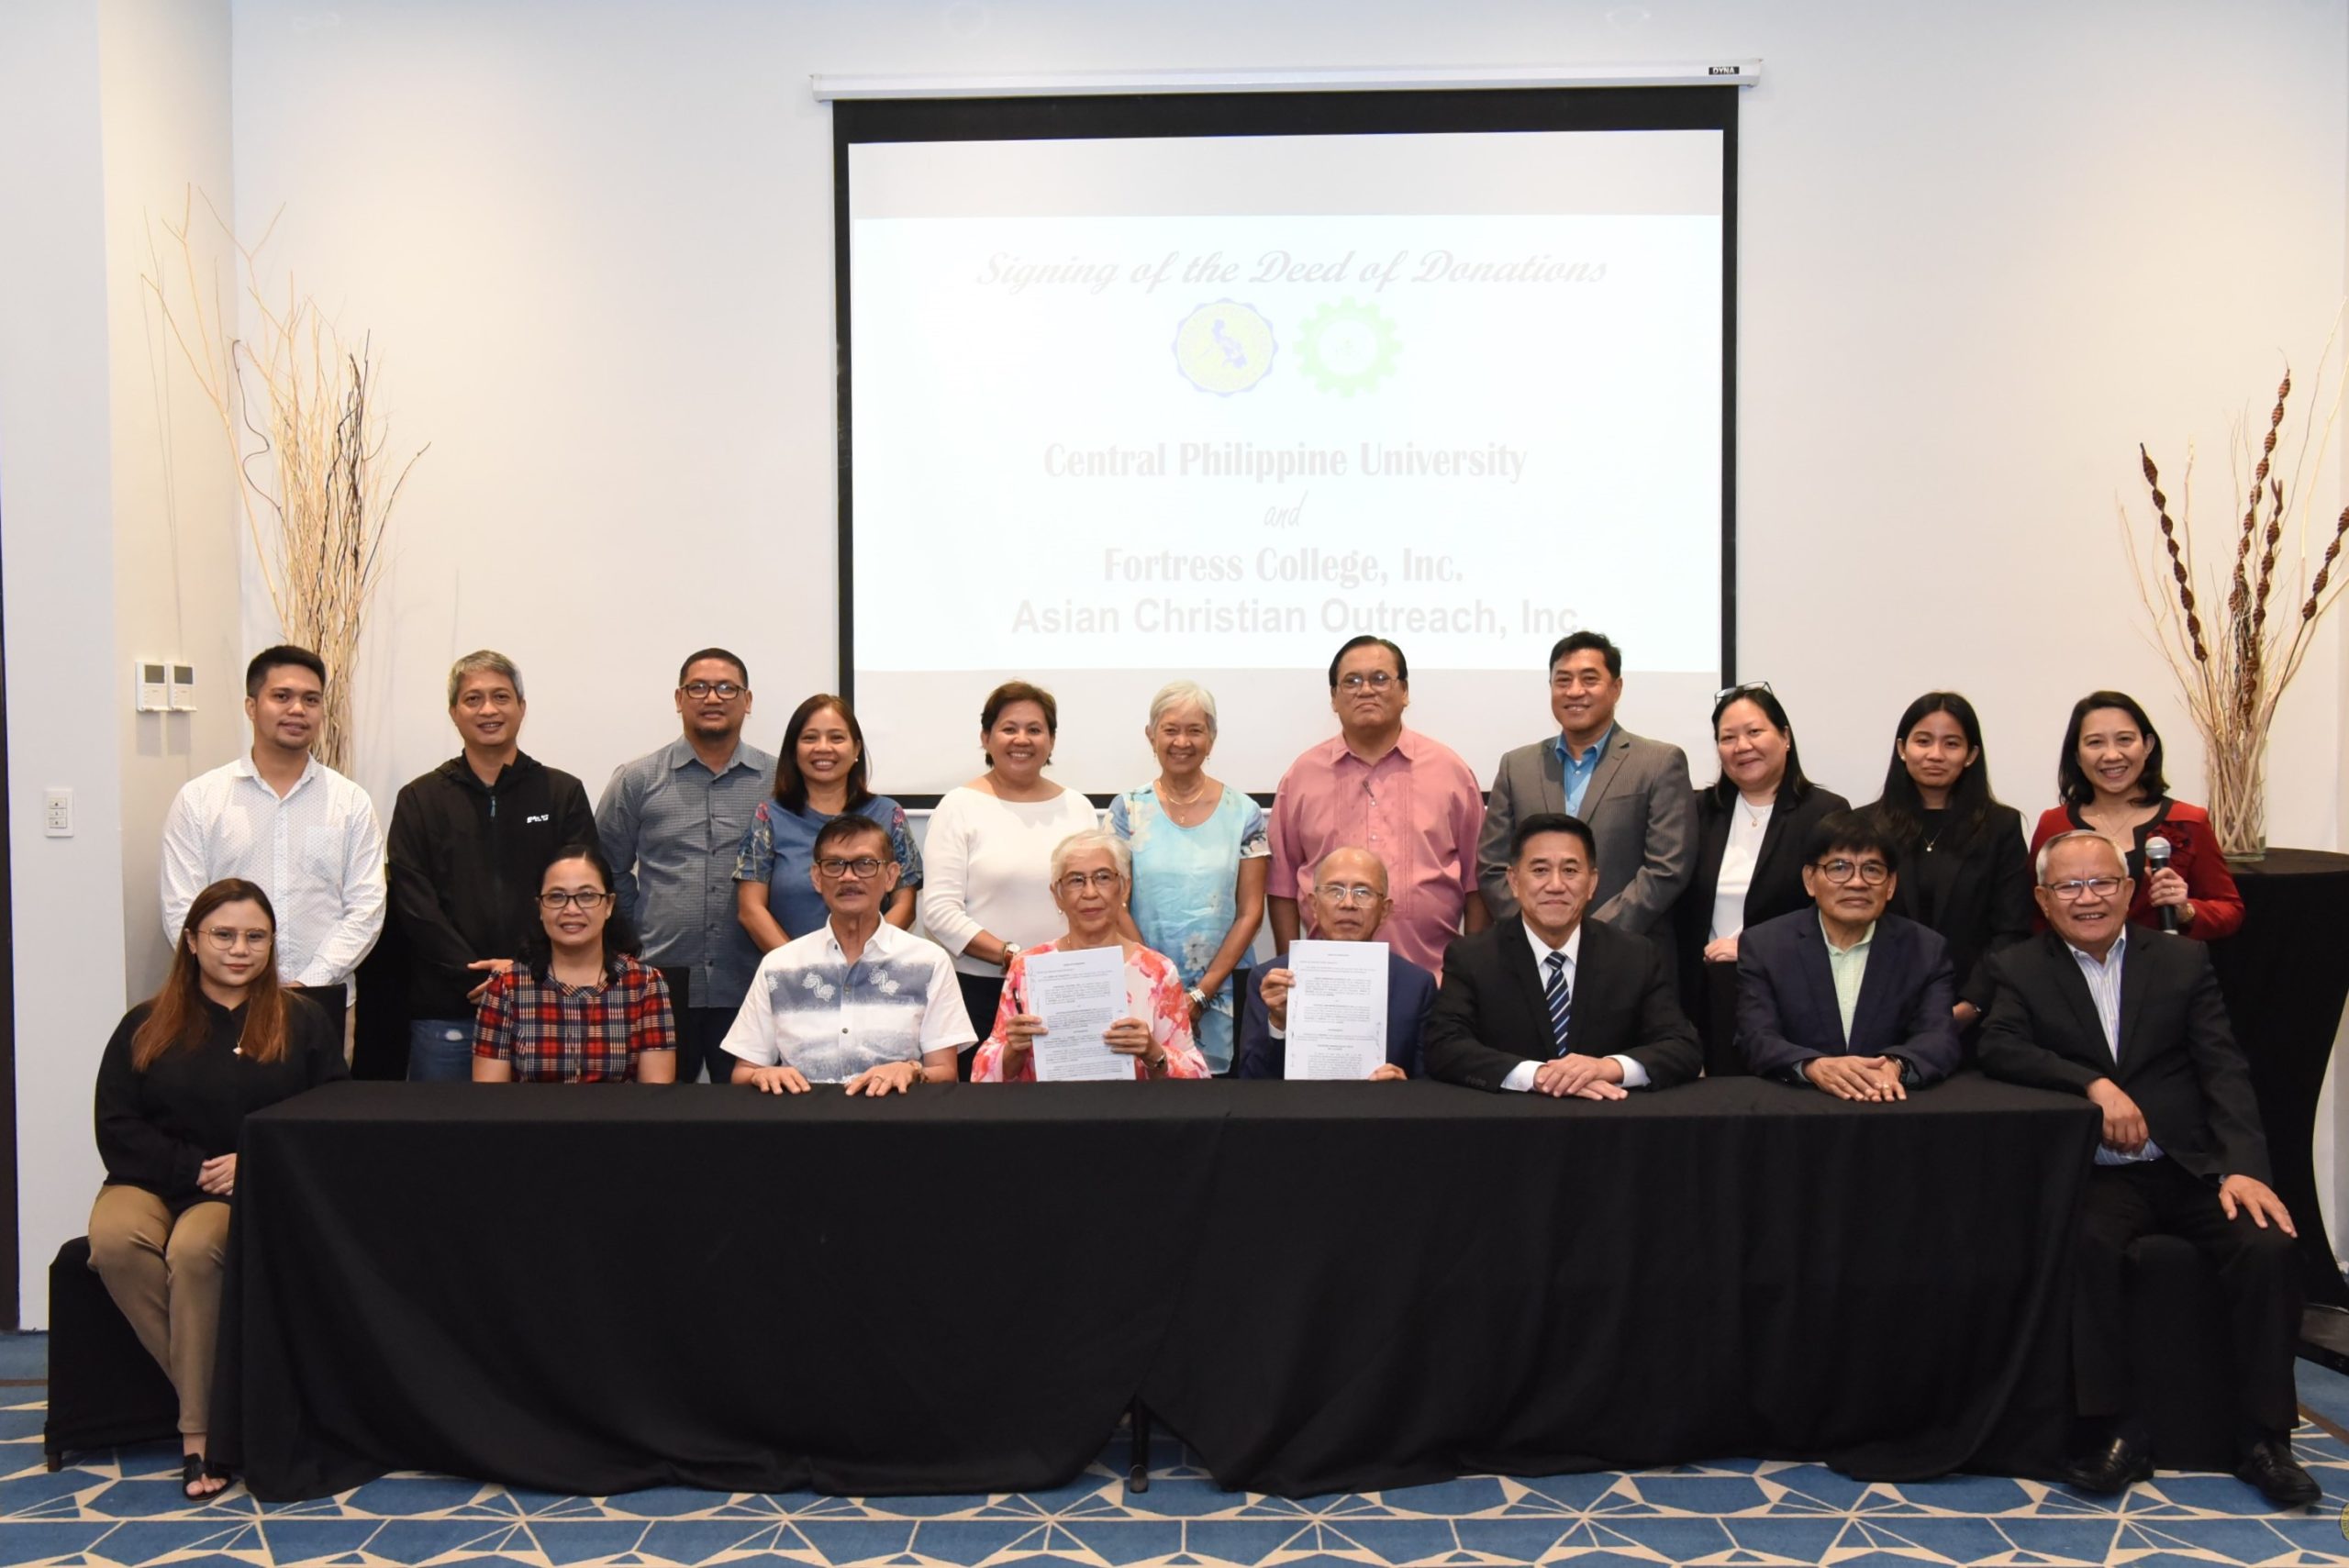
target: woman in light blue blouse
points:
(1200, 852)
(820, 773)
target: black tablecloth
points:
(1319, 1286)
(2285, 980)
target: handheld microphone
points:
(2157, 860)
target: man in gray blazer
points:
(1632, 791)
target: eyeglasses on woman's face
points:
(226, 938)
(586, 898)
(1076, 882)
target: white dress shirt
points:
(1521, 1077)
(319, 853)
(2104, 989)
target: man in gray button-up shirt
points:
(672, 823)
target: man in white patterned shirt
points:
(856, 1001)
(279, 817)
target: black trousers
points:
(981, 997)
(2258, 1276)
(699, 1030)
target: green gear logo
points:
(1348, 348)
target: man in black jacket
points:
(469, 841)
(2132, 1019)
(1548, 1002)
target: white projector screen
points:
(1119, 408)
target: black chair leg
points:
(1137, 1465)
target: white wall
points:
(1980, 261)
(66, 902)
(178, 535)
(112, 516)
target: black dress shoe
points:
(2114, 1465)
(2268, 1464)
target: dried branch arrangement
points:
(297, 409)
(2232, 666)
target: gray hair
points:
(1092, 839)
(2077, 835)
(1177, 694)
(474, 664)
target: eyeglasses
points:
(1076, 882)
(1344, 895)
(1875, 874)
(1740, 689)
(724, 691)
(1376, 680)
(863, 868)
(227, 937)
(2099, 887)
(587, 901)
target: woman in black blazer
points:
(1752, 823)
(1965, 871)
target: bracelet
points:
(1197, 994)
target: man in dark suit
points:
(2132, 1019)
(1551, 1002)
(1350, 903)
(1842, 995)
(1632, 791)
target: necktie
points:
(1561, 1000)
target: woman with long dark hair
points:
(220, 1040)
(1752, 823)
(577, 1007)
(1964, 870)
(821, 773)
(2109, 778)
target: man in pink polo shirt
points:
(1381, 787)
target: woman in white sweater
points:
(988, 887)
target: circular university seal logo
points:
(1224, 348)
(1347, 347)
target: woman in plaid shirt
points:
(576, 1007)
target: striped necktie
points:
(1561, 1000)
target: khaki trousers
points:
(165, 1276)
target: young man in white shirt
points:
(280, 818)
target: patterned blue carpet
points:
(125, 1509)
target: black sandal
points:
(194, 1467)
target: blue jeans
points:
(440, 1051)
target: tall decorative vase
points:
(2238, 787)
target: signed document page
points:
(1337, 1009)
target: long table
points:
(1320, 1287)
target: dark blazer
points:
(1787, 1012)
(1975, 893)
(1777, 876)
(1411, 992)
(2178, 1057)
(1490, 1013)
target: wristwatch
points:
(1198, 996)
(1010, 951)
